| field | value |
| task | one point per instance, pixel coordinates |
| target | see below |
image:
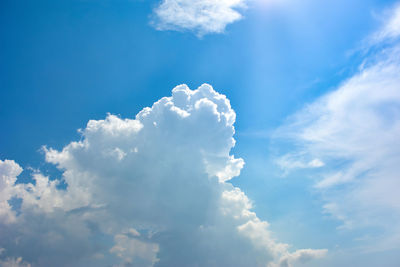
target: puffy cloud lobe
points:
(301, 256)
(133, 251)
(9, 170)
(200, 16)
(149, 191)
(14, 263)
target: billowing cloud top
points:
(200, 16)
(149, 191)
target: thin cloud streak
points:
(355, 131)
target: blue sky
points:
(290, 69)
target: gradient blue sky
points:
(64, 63)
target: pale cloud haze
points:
(390, 28)
(355, 131)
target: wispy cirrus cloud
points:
(355, 131)
(390, 29)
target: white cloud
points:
(300, 256)
(290, 162)
(149, 191)
(391, 27)
(355, 131)
(14, 263)
(200, 16)
(9, 170)
(134, 251)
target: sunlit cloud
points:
(200, 16)
(390, 28)
(355, 131)
(148, 191)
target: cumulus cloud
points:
(299, 256)
(9, 171)
(149, 191)
(14, 263)
(201, 16)
(355, 131)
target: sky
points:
(200, 133)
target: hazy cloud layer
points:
(199, 16)
(355, 131)
(149, 191)
(390, 29)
